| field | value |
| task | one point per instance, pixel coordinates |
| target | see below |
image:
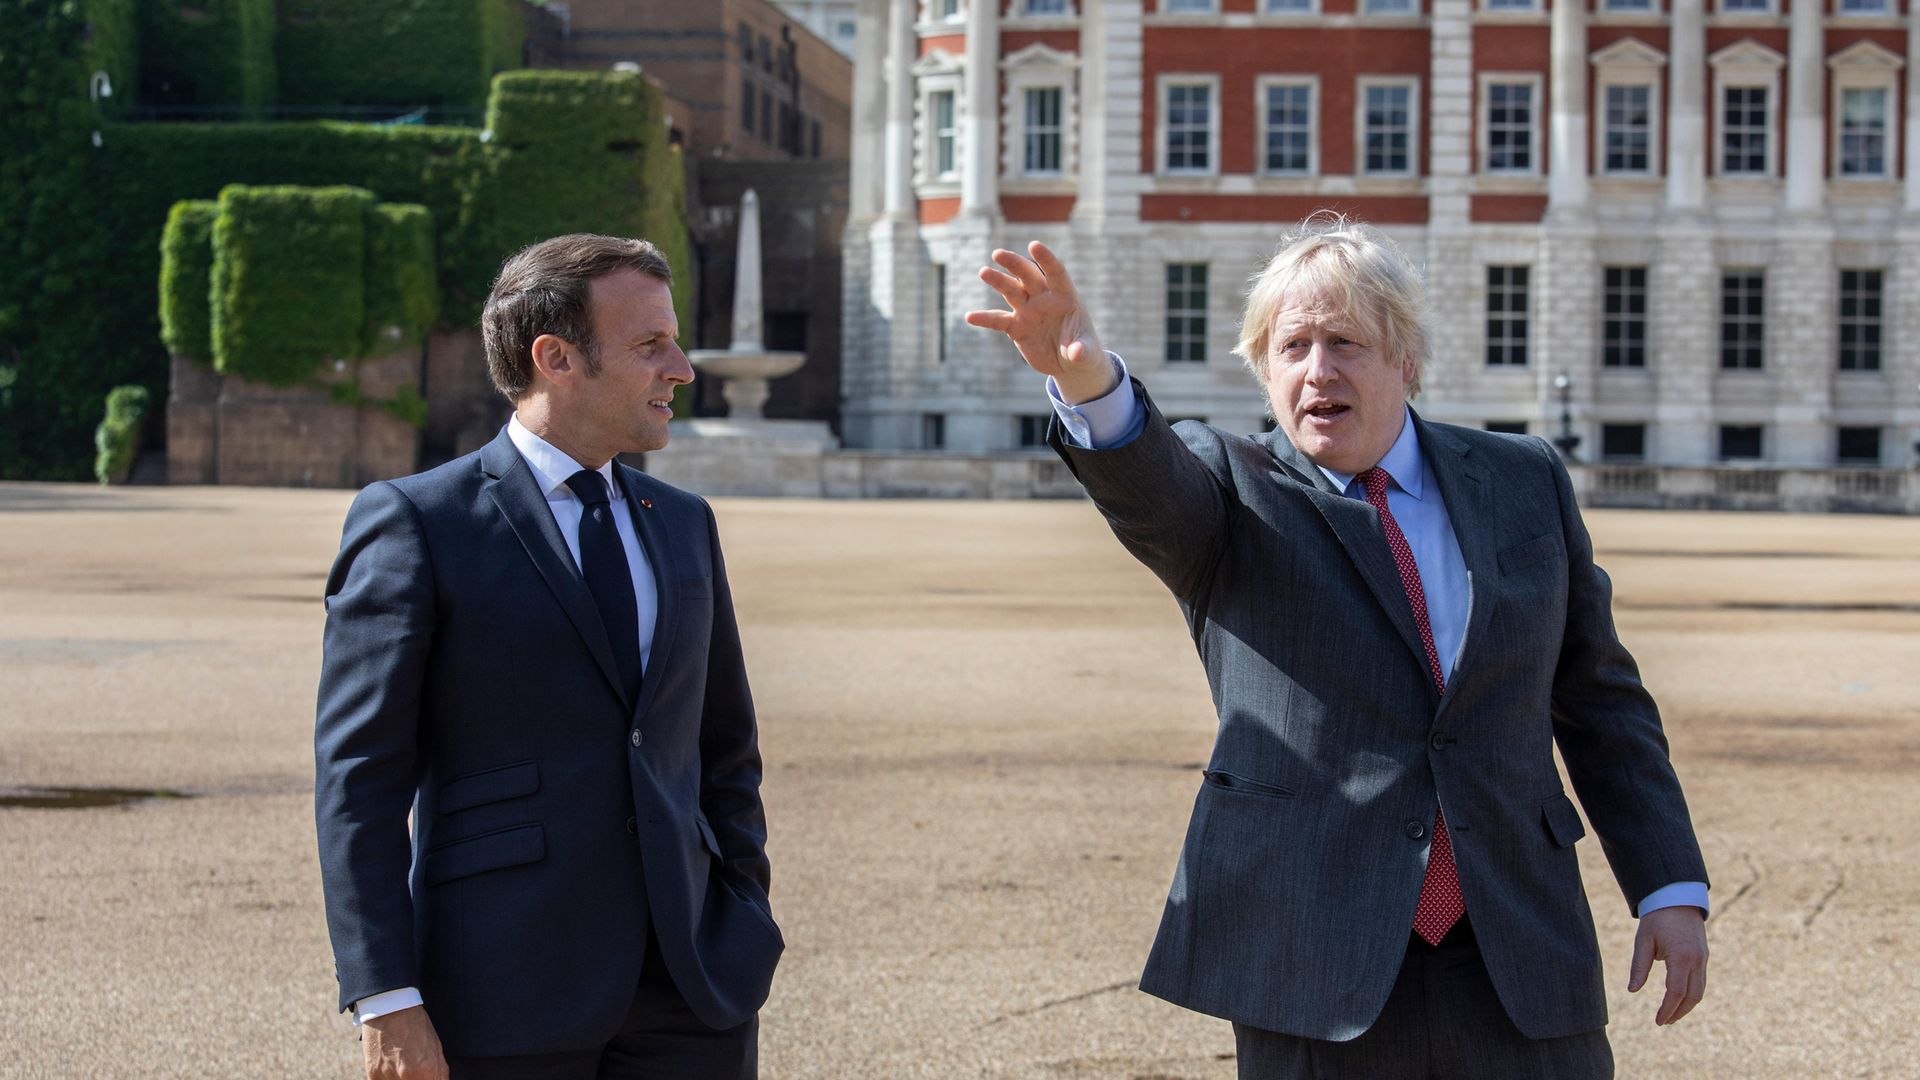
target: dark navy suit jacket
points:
(468, 678)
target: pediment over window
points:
(1865, 55)
(1628, 52)
(1038, 55)
(938, 62)
(1747, 53)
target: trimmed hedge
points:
(117, 440)
(186, 268)
(211, 52)
(289, 280)
(391, 52)
(402, 294)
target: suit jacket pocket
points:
(1227, 781)
(489, 785)
(1563, 821)
(489, 851)
(1525, 554)
(707, 836)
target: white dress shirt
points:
(1413, 497)
(551, 468)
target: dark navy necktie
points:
(603, 562)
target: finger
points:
(991, 320)
(1051, 266)
(1029, 274)
(1696, 989)
(1642, 960)
(1668, 1005)
(1005, 284)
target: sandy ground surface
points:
(982, 724)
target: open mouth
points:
(1327, 412)
(664, 405)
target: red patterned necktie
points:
(1440, 904)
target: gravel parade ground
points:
(982, 726)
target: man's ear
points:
(553, 359)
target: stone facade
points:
(1561, 200)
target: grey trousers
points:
(1443, 1021)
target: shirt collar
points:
(551, 465)
(1402, 463)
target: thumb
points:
(1642, 960)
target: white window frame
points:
(1525, 317)
(1299, 10)
(1400, 9)
(1023, 9)
(1883, 9)
(1628, 62)
(1509, 7)
(1260, 87)
(1167, 312)
(1038, 67)
(1746, 64)
(1212, 8)
(1162, 93)
(1360, 88)
(1865, 66)
(938, 72)
(1772, 9)
(930, 12)
(1484, 124)
(1647, 8)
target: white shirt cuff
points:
(387, 1001)
(1098, 424)
(1678, 894)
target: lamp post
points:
(1567, 441)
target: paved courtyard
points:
(982, 725)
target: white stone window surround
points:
(1163, 87)
(1510, 5)
(1260, 86)
(938, 72)
(1628, 62)
(1746, 7)
(934, 19)
(1865, 65)
(1746, 63)
(1019, 16)
(1648, 13)
(1038, 67)
(1483, 123)
(1360, 87)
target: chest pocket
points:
(1529, 553)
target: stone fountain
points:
(745, 453)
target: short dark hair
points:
(543, 289)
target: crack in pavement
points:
(1044, 1006)
(1820, 905)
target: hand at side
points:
(1678, 936)
(403, 1046)
(1048, 324)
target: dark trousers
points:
(1443, 1021)
(660, 1039)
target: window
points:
(844, 29)
(766, 116)
(1287, 7)
(1046, 7)
(1388, 7)
(1743, 319)
(1507, 427)
(1287, 143)
(1387, 119)
(1745, 7)
(1508, 122)
(765, 53)
(1623, 442)
(1624, 319)
(1507, 309)
(1863, 131)
(747, 111)
(1043, 130)
(1863, 7)
(1187, 7)
(939, 285)
(1859, 446)
(1186, 313)
(1629, 5)
(1033, 430)
(1188, 128)
(1743, 131)
(1740, 442)
(946, 9)
(1628, 129)
(746, 45)
(1507, 5)
(944, 133)
(933, 431)
(813, 138)
(1860, 320)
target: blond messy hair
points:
(1365, 275)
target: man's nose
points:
(1320, 368)
(680, 370)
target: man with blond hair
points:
(1399, 621)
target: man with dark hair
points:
(533, 650)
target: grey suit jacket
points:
(1293, 900)
(468, 677)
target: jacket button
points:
(633, 827)
(1415, 830)
(636, 736)
(1439, 741)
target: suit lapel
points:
(649, 526)
(517, 493)
(1468, 492)
(1357, 526)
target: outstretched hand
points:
(1677, 936)
(1048, 324)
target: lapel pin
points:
(646, 504)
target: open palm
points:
(1047, 323)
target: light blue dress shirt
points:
(1413, 498)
